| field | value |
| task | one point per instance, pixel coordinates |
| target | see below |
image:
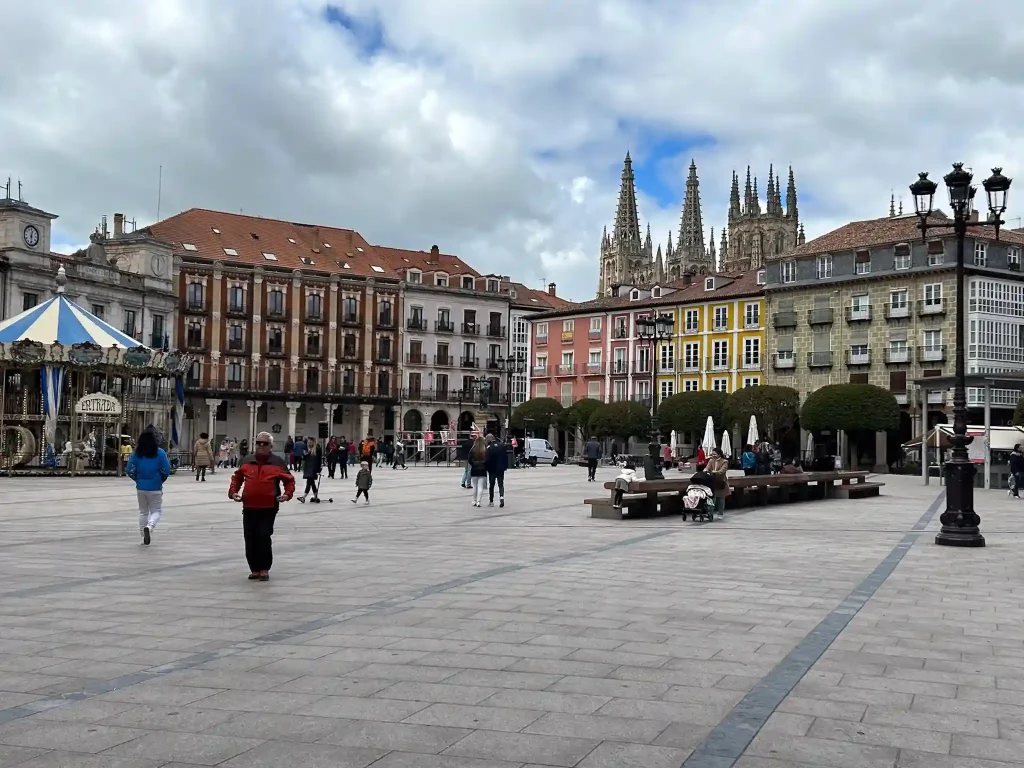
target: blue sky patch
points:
(366, 31)
(660, 161)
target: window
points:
(752, 316)
(898, 351)
(1013, 258)
(721, 318)
(540, 390)
(519, 331)
(595, 325)
(720, 355)
(193, 373)
(936, 253)
(933, 295)
(235, 375)
(620, 360)
(236, 299)
(668, 388)
(467, 282)
(709, 284)
(691, 356)
(692, 321)
(858, 353)
(751, 381)
(898, 298)
(863, 262)
(375, 268)
(566, 394)
(619, 392)
(189, 247)
(275, 340)
(384, 313)
(275, 301)
(643, 390)
(348, 381)
(898, 381)
(492, 285)
(129, 322)
(860, 308)
(98, 310)
(350, 310)
(691, 385)
(901, 257)
(594, 390)
(384, 348)
(567, 362)
(643, 360)
(312, 379)
(269, 256)
(762, 277)
(313, 343)
(195, 295)
(235, 337)
(542, 363)
(441, 386)
(824, 266)
(980, 253)
(751, 353)
(230, 252)
(595, 357)
(194, 335)
(567, 326)
(158, 331)
(441, 280)
(668, 353)
(789, 271)
(29, 300)
(932, 345)
(720, 385)
(314, 306)
(415, 276)
(656, 292)
(348, 346)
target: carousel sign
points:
(98, 405)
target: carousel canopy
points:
(61, 321)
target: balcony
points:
(720, 326)
(493, 364)
(470, 362)
(784, 319)
(385, 321)
(276, 313)
(444, 361)
(752, 323)
(159, 340)
(937, 398)
(820, 317)
(567, 336)
(540, 341)
(897, 311)
(315, 318)
(313, 350)
(691, 366)
(416, 358)
(416, 324)
(819, 359)
(236, 310)
(901, 398)
(235, 384)
(350, 319)
(691, 329)
(384, 357)
(931, 354)
(594, 334)
(618, 368)
(349, 353)
(620, 333)
(858, 314)
(782, 361)
(470, 329)
(194, 344)
(594, 369)
(751, 363)
(667, 367)
(929, 307)
(444, 326)
(236, 345)
(275, 350)
(898, 356)
(496, 331)
(644, 400)
(854, 359)
(719, 364)
(196, 307)
(539, 370)
(565, 370)
(643, 369)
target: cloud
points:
(497, 129)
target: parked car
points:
(540, 451)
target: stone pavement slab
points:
(420, 631)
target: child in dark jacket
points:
(364, 480)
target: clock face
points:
(31, 236)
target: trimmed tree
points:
(623, 419)
(539, 413)
(1018, 413)
(577, 416)
(775, 408)
(689, 411)
(851, 408)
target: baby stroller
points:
(699, 502)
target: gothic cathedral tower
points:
(690, 254)
(626, 259)
(757, 236)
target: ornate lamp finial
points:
(62, 278)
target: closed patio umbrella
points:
(726, 444)
(708, 443)
(752, 431)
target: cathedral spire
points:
(627, 219)
(778, 195)
(691, 225)
(648, 244)
(711, 251)
(659, 268)
(723, 251)
(668, 248)
(801, 238)
(791, 209)
(734, 197)
(748, 198)
(892, 204)
(756, 199)
(770, 199)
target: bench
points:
(649, 498)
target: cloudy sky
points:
(496, 128)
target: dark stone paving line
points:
(726, 743)
(391, 604)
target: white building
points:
(995, 334)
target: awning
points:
(61, 321)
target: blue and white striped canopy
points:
(62, 321)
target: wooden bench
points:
(649, 498)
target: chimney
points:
(118, 225)
(551, 289)
(687, 278)
(434, 250)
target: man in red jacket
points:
(261, 483)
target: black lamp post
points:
(511, 365)
(654, 330)
(960, 523)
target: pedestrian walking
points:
(331, 455)
(261, 483)
(344, 448)
(466, 448)
(243, 448)
(202, 456)
(223, 453)
(1016, 470)
(298, 453)
(478, 470)
(289, 444)
(718, 468)
(399, 460)
(312, 463)
(496, 464)
(592, 453)
(364, 481)
(149, 468)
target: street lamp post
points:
(511, 365)
(654, 330)
(960, 523)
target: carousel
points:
(74, 391)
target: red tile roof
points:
(534, 298)
(401, 259)
(889, 231)
(204, 234)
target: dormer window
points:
(441, 280)
(492, 285)
(415, 277)
(634, 295)
(656, 292)
(709, 284)
(467, 282)
(761, 277)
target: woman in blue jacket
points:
(149, 468)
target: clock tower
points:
(23, 227)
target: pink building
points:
(569, 357)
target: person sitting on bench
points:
(791, 468)
(626, 476)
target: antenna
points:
(7, 189)
(19, 192)
(159, 190)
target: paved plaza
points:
(420, 632)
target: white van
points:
(540, 452)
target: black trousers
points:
(310, 486)
(258, 528)
(343, 465)
(200, 473)
(499, 478)
(364, 493)
(591, 468)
